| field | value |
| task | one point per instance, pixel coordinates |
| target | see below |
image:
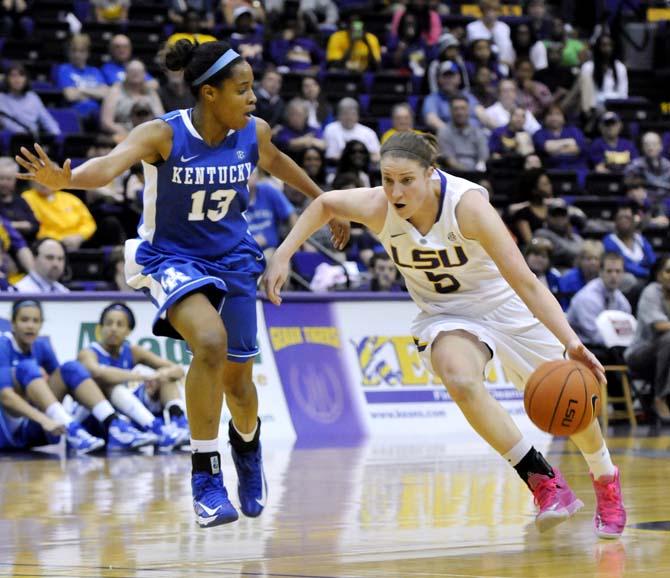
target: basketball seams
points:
(586, 399)
(560, 395)
(536, 386)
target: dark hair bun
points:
(179, 55)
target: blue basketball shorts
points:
(21, 433)
(229, 283)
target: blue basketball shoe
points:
(168, 435)
(80, 441)
(210, 499)
(252, 487)
(124, 436)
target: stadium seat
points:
(22, 50)
(633, 109)
(390, 83)
(564, 182)
(598, 207)
(381, 105)
(304, 263)
(67, 120)
(602, 184)
(77, 145)
(18, 140)
(338, 84)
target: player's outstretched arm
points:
(365, 206)
(478, 220)
(149, 141)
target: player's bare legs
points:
(241, 396)
(459, 358)
(199, 323)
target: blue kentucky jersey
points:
(10, 355)
(123, 361)
(194, 201)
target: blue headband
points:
(224, 60)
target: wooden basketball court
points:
(436, 508)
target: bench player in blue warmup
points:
(111, 360)
(195, 255)
(33, 384)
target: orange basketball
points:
(562, 397)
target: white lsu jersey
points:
(444, 271)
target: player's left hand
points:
(340, 230)
(577, 352)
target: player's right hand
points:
(274, 278)
(53, 427)
(43, 170)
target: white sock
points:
(102, 410)
(204, 446)
(124, 400)
(518, 452)
(80, 413)
(247, 437)
(57, 413)
(600, 462)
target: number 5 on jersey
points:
(223, 198)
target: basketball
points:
(562, 397)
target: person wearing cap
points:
(204, 8)
(247, 38)
(436, 106)
(610, 153)
(447, 48)
(558, 229)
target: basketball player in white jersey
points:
(478, 298)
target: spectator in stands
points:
(602, 78)
(562, 147)
(62, 216)
(559, 79)
(355, 159)
(598, 295)
(587, 267)
(574, 52)
(649, 353)
(532, 95)
(320, 110)
(16, 18)
(498, 114)
(462, 145)
(174, 92)
(488, 26)
(526, 45)
(21, 109)
(115, 115)
(483, 87)
(538, 258)
(291, 49)
(192, 29)
(353, 48)
(429, 24)
(14, 250)
(313, 162)
(402, 119)
(229, 6)
(447, 48)
(558, 229)
(204, 9)
(638, 253)
(383, 274)
(511, 144)
(610, 153)
(247, 39)
(121, 53)
(480, 54)
(270, 105)
(540, 23)
(83, 86)
(111, 11)
(653, 215)
(652, 168)
(407, 51)
(531, 215)
(436, 106)
(13, 207)
(48, 271)
(295, 134)
(270, 214)
(337, 134)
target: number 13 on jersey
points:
(222, 197)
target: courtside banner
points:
(71, 321)
(326, 405)
(400, 394)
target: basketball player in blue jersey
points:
(195, 256)
(478, 298)
(33, 383)
(111, 360)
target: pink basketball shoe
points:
(610, 517)
(555, 499)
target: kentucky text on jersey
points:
(212, 175)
